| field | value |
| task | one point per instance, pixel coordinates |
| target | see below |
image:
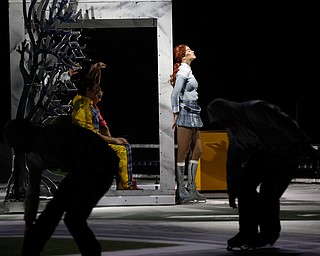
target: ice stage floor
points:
(198, 229)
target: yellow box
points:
(211, 173)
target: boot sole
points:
(185, 202)
(244, 247)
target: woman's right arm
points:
(175, 96)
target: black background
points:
(244, 51)
(130, 81)
(265, 50)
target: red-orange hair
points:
(178, 53)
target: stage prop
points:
(44, 44)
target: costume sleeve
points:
(82, 115)
(242, 144)
(102, 122)
(34, 163)
(179, 84)
(233, 169)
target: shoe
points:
(134, 186)
(265, 239)
(183, 196)
(131, 187)
(197, 196)
(241, 243)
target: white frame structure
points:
(121, 13)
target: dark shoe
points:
(241, 243)
(265, 239)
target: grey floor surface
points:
(198, 229)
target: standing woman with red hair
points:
(186, 121)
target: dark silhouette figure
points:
(90, 165)
(265, 149)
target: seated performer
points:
(86, 114)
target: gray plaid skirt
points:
(189, 114)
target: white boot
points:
(192, 187)
(182, 194)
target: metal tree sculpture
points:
(47, 54)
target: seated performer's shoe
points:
(133, 186)
(241, 242)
